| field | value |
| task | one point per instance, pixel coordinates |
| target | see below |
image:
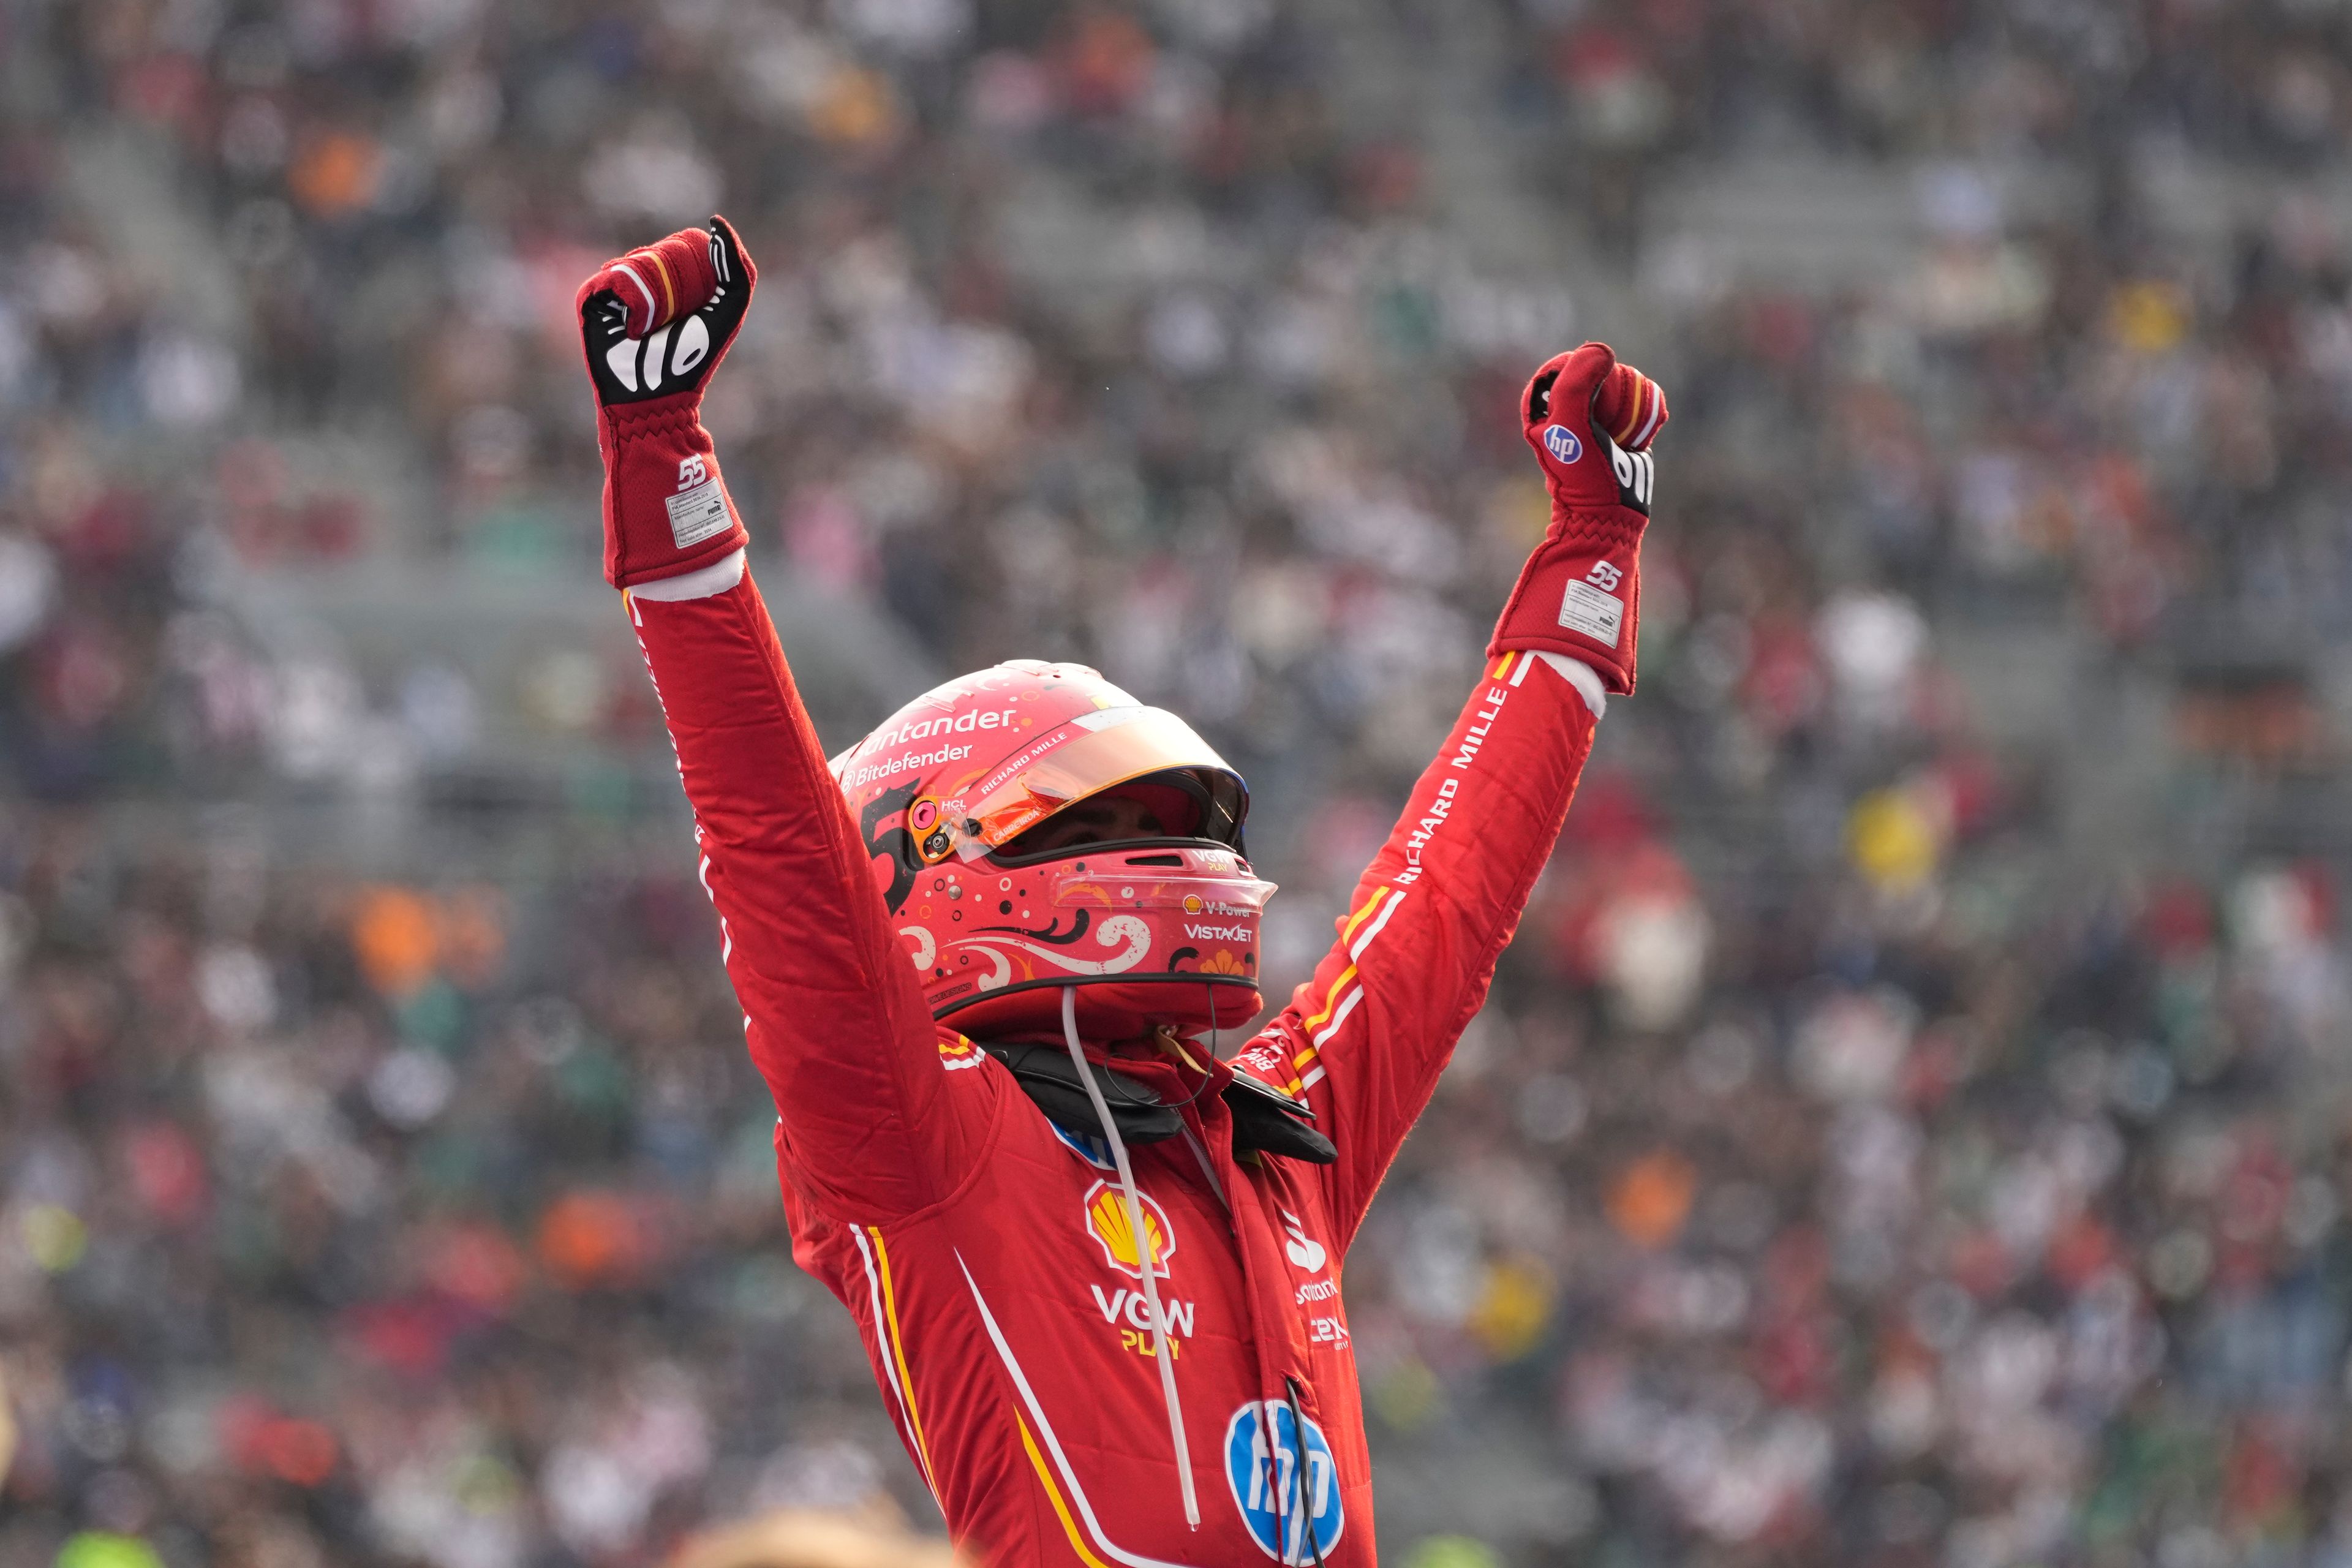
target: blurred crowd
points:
(1876, 1150)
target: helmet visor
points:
(1091, 753)
(1212, 895)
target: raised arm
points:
(832, 1017)
(1367, 1037)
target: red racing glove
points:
(654, 324)
(1590, 421)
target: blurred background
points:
(1912, 1125)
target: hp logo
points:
(1283, 1487)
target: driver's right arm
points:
(871, 1126)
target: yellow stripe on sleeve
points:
(1361, 916)
(1332, 997)
(899, 1348)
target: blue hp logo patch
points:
(1278, 1495)
(1562, 443)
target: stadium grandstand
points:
(1912, 1125)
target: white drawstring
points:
(1145, 1252)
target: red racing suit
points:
(985, 1254)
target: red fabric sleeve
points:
(871, 1125)
(1366, 1038)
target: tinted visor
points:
(1194, 805)
(1208, 895)
(1195, 795)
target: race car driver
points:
(986, 953)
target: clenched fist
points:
(1591, 420)
(654, 325)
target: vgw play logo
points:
(1281, 1490)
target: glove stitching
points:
(655, 416)
(1595, 528)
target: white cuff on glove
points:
(1581, 675)
(702, 583)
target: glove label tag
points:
(699, 512)
(1592, 611)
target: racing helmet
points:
(1033, 829)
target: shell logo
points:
(1191, 903)
(1105, 1219)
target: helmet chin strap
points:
(1146, 1253)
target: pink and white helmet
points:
(1034, 829)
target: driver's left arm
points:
(1365, 1040)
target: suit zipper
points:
(1306, 1469)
